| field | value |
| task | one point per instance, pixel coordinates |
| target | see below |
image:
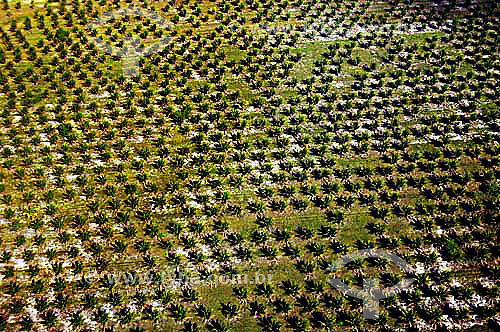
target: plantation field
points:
(213, 185)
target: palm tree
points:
(178, 311)
(229, 310)
(190, 326)
(270, 324)
(49, 319)
(290, 287)
(217, 325)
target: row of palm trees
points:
(130, 191)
